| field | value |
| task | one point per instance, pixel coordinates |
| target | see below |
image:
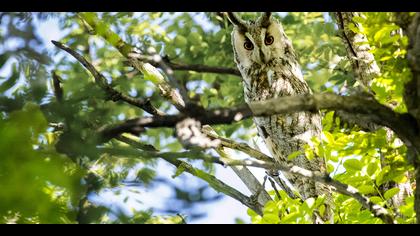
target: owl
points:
(269, 67)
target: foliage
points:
(45, 163)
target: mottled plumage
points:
(270, 69)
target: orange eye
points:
(269, 40)
(248, 45)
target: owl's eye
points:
(269, 40)
(248, 45)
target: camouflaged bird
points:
(269, 68)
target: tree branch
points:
(112, 93)
(339, 187)
(251, 182)
(215, 183)
(269, 163)
(156, 59)
(204, 68)
(129, 52)
(403, 125)
(245, 148)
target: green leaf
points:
(180, 41)
(381, 175)
(330, 168)
(291, 218)
(372, 167)
(390, 193)
(376, 200)
(329, 138)
(353, 164)
(366, 189)
(293, 155)
(178, 171)
(271, 218)
(384, 32)
(195, 38)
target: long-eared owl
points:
(269, 67)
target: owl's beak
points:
(264, 55)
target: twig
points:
(156, 60)
(275, 188)
(250, 181)
(243, 147)
(129, 52)
(58, 90)
(114, 95)
(215, 183)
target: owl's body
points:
(270, 69)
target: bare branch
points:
(128, 51)
(243, 147)
(113, 94)
(215, 183)
(154, 60)
(252, 183)
(58, 89)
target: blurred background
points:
(44, 168)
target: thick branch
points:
(113, 94)
(135, 126)
(402, 124)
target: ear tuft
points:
(265, 19)
(237, 21)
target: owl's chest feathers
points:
(265, 82)
(287, 131)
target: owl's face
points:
(257, 43)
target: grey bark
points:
(412, 96)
